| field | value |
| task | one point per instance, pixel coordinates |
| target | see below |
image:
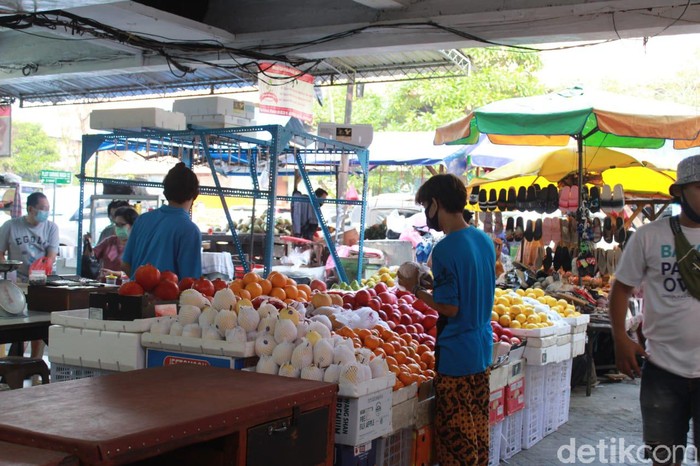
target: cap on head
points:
(688, 171)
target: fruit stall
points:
(376, 343)
(261, 153)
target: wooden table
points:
(17, 330)
(180, 414)
(13, 454)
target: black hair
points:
(34, 198)
(129, 214)
(321, 192)
(448, 189)
(115, 204)
(180, 184)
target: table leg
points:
(589, 364)
(16, 349)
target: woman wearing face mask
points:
(110, 250)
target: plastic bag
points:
(44, 264)
(395, 222)
(297, 258)
(363, 317)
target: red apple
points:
(409, 298)
(382, 315)
(411, 329)
(387, 308)
(372, 292)
(259, 301)
(348, 307)
(505, 339)
(318, 285)
(405, 309)
(400, 329)
(380, 287)
(429, 321)
(506, 332)
(349, 299)
(419, 327)
(362, 298)
(420, 305)
(391, 324)
(433, 332)
(515, 341)
(278, 303)
(406, 319)
(387, 298)
(374, 304)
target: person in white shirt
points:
(670, 386)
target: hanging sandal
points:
(497, 223)
(474, 196)
(537, 233)
(594, 200)
(510, 226)
(547, 230)
(493, 201)
(501, 203)
(617, 201)
(519, 229)
(606, 199)
(564, 199)
(529, 231)
(511, 199)
(607, 230)
(597, 230)
(483, 201)
(521, 199)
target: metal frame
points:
(206, 146)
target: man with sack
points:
(662, 257)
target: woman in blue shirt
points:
(462, 292)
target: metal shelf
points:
(242, 148)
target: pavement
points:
(603, 429)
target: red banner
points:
(286, 91)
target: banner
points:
(5, 127)
(286, 91)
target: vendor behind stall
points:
(111, 211)
(167, 238)
(111, 249)
(304, 221)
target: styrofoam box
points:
(564, 352)
(403, 414)
(580, 328)
(404, 393)
(80, 318)
(578, 344)
(365, 388)
(542, 342)
(363, 419)
(219, 121)
(515, 370)
(563, 339)
(534, 333)
(113, 351)
(562, 328)
(214, 106)
(582, 319)
(541, 356)
(198, 345)
(425, 412)
(517, 352)
(137, 118)
(498, 378)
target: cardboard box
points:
(498, 378)
(515, 396)
(425, 412)
(361, 420)
(404, 414)
(137, 118)
(219, 121)
(214, 106)
(497, 404)
(360, 455)
(159, 358)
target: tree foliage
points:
(32, 151)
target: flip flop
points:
(521, 199)
(606, 199)
(566, 260)
(497, 223)
(619, 234)
(529, 231)
(607, 230)
(610, 259)
(537, 233)
(519, 229)
(501, 203)
(548, 258)
(541, 205)
(493, 201)
(474, 196)
(483, 202)
(594, 200)
(574, 230)
(564, 199)
(510, 226)
(552, 199)
(555, 230)
(601, 261)
(573, 198)
(510, 199)
(539, 258)
(617, 202)
(547, 230)
(556, 261)
(531, 200)
(597, 230)
(488, 223)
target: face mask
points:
(432, 222)
(42, 215)
(121, 232)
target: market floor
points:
(610, 417)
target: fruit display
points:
(283, 226)
(384, 275)
(528, 309)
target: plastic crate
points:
(512, 435)
(424, 451)
(565, 380)
(534, 385)
(552, 380)
(396, 449)
(532, 425)
(552, 407)
(564, 404)
(62, 372)
(495, 444)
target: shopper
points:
(666, 267)
(111, 249)
(167, 238)
(304, 221)
(28, 239)
(111, 209)
(463, 265)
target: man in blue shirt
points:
(463, 288)
(167, 238)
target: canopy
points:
(598, 119)
(638, 178)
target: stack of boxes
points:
(216, 112)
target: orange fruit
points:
(278, 293)
(363, 333)
(266, 286)
(400, 357)
(398, 384)
(291, 292)
(236, 285)
(289, 301)
(414, 368)
(254, 289)
(428, 357)
(245, 294)
(407, 338)
(278, 280)
(379, 352)
(306, 289)
(356, 342)
(391, 361)
(406, 378)
(422, 349)
(250, 277)
(372, 342)
(388, 349)
(291, 282)
(302, 297)
(345, 332)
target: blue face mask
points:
(42, 215)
